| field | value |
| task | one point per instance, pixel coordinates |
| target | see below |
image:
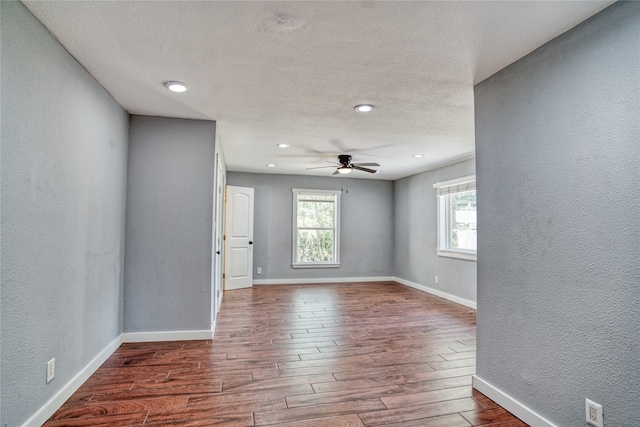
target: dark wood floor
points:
(310, 355)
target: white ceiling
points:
(291, 72)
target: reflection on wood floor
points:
(350, 354)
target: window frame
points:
(336, 229)
(443, 247)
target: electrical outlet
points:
(594, 413)
(51, 369)
(259, 270)
(437, 280)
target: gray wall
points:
(558, 169)
(169, 225)
(416, 234)
(64, 156)
(366, 225)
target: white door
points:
(238, 249)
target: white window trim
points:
(441, 248)
(336, 242)
(459, 254)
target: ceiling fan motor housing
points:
(344, 159)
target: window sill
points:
(309, 265)
(469, 256)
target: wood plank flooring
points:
(357, 354)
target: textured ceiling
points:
(291, 72)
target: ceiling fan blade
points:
(320, 167)
(360, 168)
(336, 172)
(365, 164)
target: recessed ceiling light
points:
(417, 156)
(363, 108)
(177, 87)
(283, 146)
(271, 165)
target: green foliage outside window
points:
(315, 246)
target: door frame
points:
(217, 264)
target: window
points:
(457, 226)
(316, 228)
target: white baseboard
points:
(49, 408)
(327, 280)
(510, 404)
(436, 292)
(167, 336)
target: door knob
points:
(218, 252)
(250, 242)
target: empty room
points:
(320, 213)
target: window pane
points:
(315, 215)
(463, 220)
(315, 245)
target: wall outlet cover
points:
(593, 413)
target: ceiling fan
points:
(344, 165)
